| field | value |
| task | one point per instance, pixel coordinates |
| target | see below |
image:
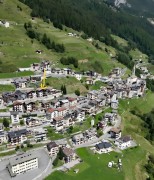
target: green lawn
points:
(95, 166)
(144, 104)
(15, 74)
(52, 135)
(136, 54)
(4, 88)
(120, 41)
(71, 84)
(133, 125)
(97, 85)
(7, 153)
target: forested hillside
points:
(98, 20)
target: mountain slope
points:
(98, 20)
(18, 50)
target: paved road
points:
(103, 137)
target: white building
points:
(22, 163)
(103, 147)
(3, 137)
(17, 137)
(78, 76)
(58, 123)
(123, 142)
(78, 139)
(79, 115)
(18, 106)
(5, 24)
(53, 148)
(40, 134)
(14, 117)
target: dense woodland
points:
(98, 20)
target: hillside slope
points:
(98, 20)
(18, 50)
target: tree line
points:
(46, 41)
(69, 60)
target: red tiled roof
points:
(68, 151)
(50, 110)
(61, 109)
(71, 99)
(17, 103)
(116, 130)
(58, 118)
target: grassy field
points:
(92, 167)
(120, 41)
(7, 153)
(52, 135)
(97, 85)
(136, 54)
(133, 125)
(4, 88)
(95, 166)
(15, 74)
(71, 84)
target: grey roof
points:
(18, 133)
(78, 136)
(51, 145)
(20, 80)
(2, 133)
(14, 113)
(126, 138)
(22, 158)
(103, 145)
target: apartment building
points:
(22, 163)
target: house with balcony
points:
(53, 148)
(17, 137)
(14, 117)
(18, 106)
(58, 123)
(69, 154)
(103, 147)
(115, 133)
(123, 142)
(20, 83)
(78, 139)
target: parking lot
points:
(44, 163)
